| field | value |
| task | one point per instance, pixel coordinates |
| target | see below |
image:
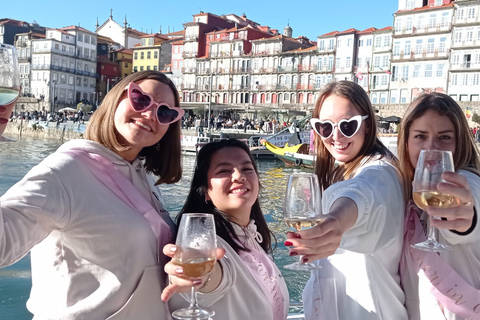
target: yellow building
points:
(124, 58)
(153, 52)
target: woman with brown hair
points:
(436, 121)
(360, 237)
(92, 217)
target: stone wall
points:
(63, 132)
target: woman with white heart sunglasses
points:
(359, 242)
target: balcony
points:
(436, 28)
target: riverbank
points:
(45, 130)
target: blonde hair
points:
(371, 147)
(163, 158)
(466, 152)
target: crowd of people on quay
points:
(220, 122)
(102, 244)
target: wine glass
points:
(9, 82)
(302, 208)
(196, 253)
(428, 173)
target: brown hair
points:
(163, 158)
(466, 152)
(371, 147)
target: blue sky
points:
(308, 18)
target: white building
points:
(464, 74)
(421, 48)
(64, 66)
(124, 35)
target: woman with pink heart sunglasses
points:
(92, 216)
(359, 242)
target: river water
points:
(16, 159)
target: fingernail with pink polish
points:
(288, 243)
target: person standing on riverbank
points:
(360, 238)
(91, 215)
(245, 284)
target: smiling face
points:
(141, 129)
(233, 183)
(343, 149)
(430, 131)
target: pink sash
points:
(448, 286)
(106, 172)
(263, 270)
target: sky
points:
(306, 18)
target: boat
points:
(297, 155)
(292, 155)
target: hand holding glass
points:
(428, 174)
(9, 81)
(196, 253)
(302, 208)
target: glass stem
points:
(193, 300)
(432, 231)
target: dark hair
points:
(466, 152)
(196, 197)
(163, 158)
(371, 147)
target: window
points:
(445, 18)
(385, 61)
(331, 44)
(149, 55)
(433, 21)
(155, 68)
(465, 79)
(155, 54)
(440, 68)
(405, 70)
(475, 79)
(376, 61)
(148, 67)
(57, 46)
(135, 56)
(408, 46)
(80, 37)
(471, 12)
(369, 42)
(142, 55)
(416, 71)
(321, 45)
(430, 45)
(409, 24)
(384, 80)
(87, 38)
(454, 79)
(135, 69)
(428, 70)
(469, 35)
(386, 41)
(418, 46)
(457, 37)
(141, 68)
(441, 47)
(349, 62)
(396, 49)
(378, 42)
(360, 42)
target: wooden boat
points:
(293, 156)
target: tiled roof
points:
(426, 8)
(76, 28)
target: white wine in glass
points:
(428, 174)
(9, 82)
(302, 208)
(196, 253)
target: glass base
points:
(193, 314)
(431, 245)
(302, 266)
